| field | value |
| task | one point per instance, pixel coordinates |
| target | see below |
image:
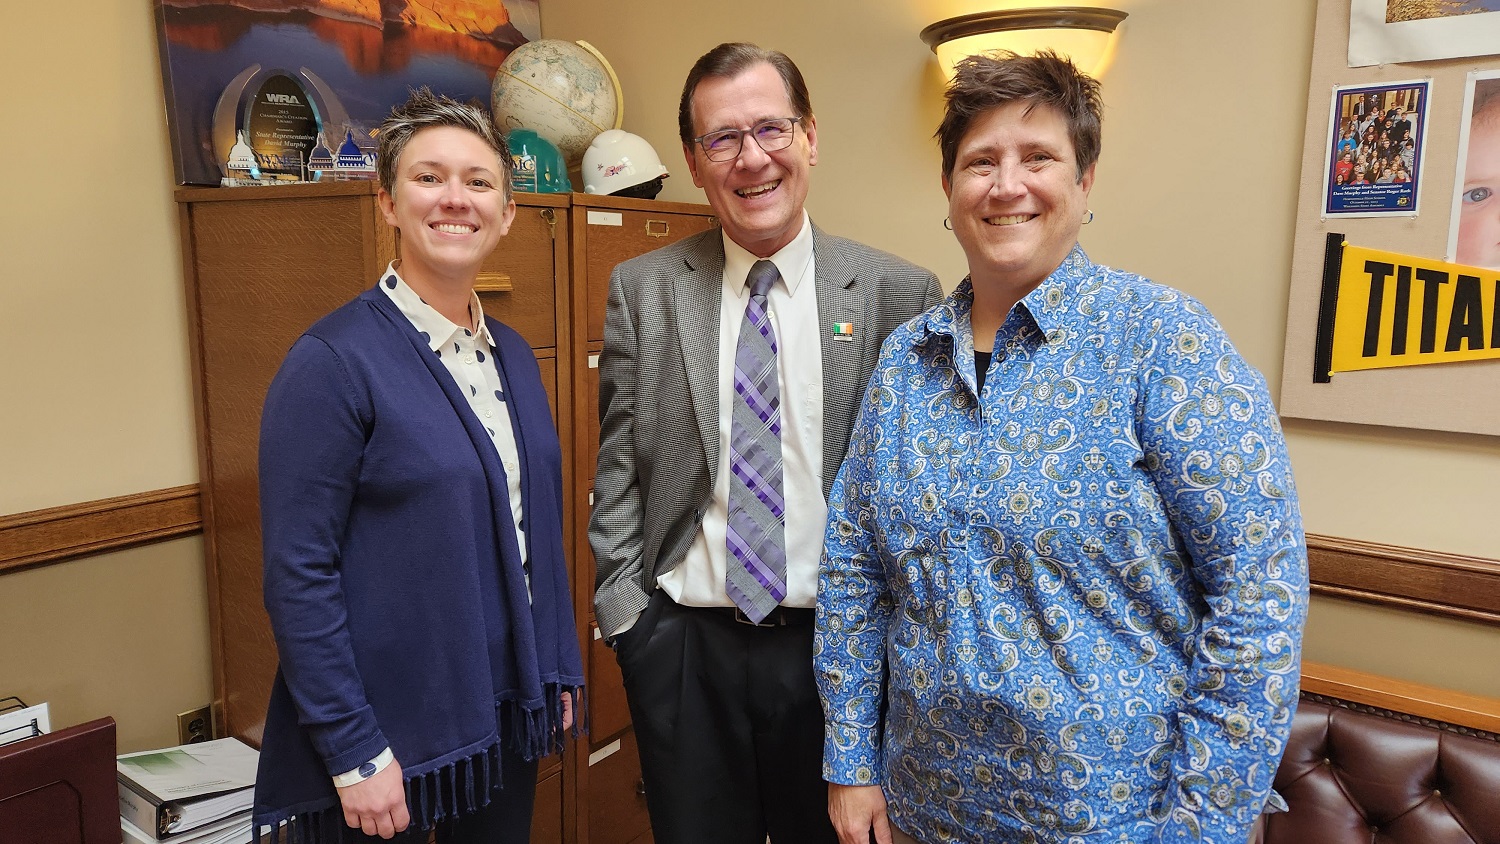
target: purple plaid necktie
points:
(756, 579)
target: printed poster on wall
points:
(312, 78)
(1373, 163)
(1389, 31)
(1474, 227)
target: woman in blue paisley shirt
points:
(1065, 580)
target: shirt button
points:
(488, 413)
(468, 358)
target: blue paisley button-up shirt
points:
(1076, 599)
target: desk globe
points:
(564, 91)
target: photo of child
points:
(1475, 235)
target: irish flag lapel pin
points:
(843, 331)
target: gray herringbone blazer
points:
(658, 395)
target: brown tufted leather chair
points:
(1359, 775)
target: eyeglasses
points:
(772, 135)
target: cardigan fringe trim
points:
(448, 790)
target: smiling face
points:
(1015, 198)
(1479, 207)
(758, 196)
(450, 205)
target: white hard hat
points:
(617, 160)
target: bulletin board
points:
(1460, 397)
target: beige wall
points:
(1196, 188)
(94, 373)
(92, 334)
(121, 634)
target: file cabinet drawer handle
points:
(658, 228)
(493, 283)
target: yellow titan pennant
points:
(1401, 310)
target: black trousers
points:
(729, 727)
(506, 820)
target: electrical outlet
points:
(195, 725)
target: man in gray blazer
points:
(734, 364)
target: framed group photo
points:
(1373, 160)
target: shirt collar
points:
(791, 260)
(435, 328)
(1048, 307)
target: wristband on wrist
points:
(365, 771)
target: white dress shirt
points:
(793, 302)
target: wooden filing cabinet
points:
(263, 264)
(608, 230)
(605, 231)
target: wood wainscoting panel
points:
(63, 533)
(1408, 578)
(1464, 710)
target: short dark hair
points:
(731, 59)
(426, 110)
(983, 82)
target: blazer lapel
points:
(841, 314)
(698, 294)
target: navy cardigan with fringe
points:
(393, 578)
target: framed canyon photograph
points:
(269, 90)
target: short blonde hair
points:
(426, 110)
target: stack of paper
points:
(193, 793)
(19, 721)
(231, 830)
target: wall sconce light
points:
(1081, 33)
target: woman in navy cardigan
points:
(411, 505)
